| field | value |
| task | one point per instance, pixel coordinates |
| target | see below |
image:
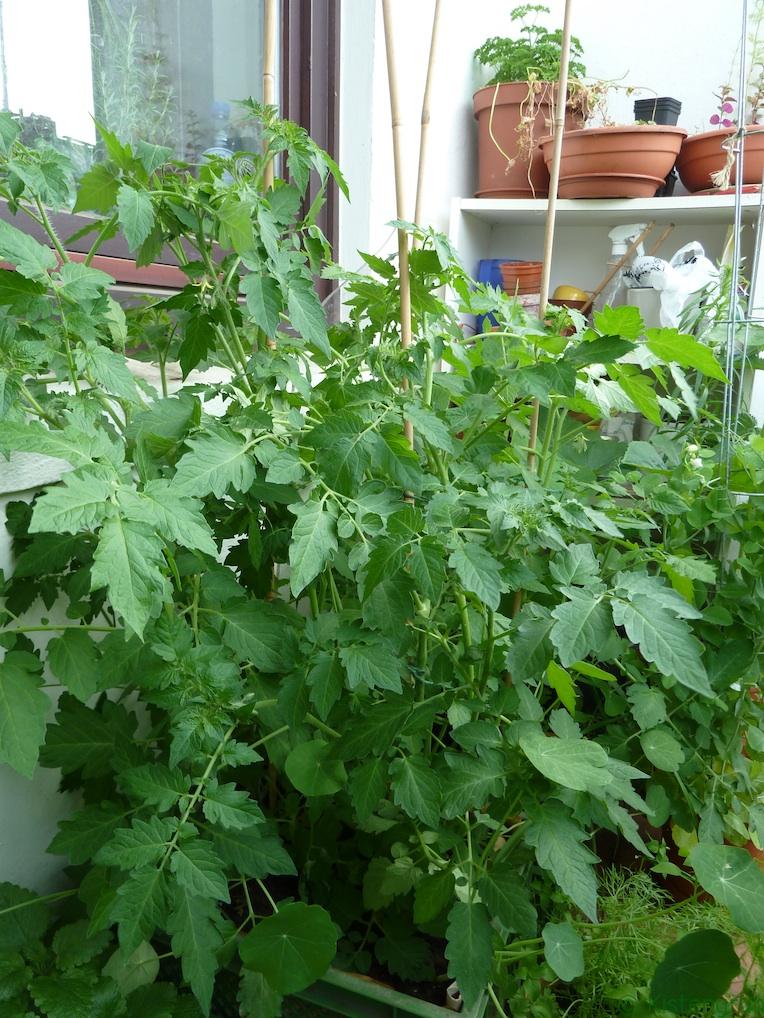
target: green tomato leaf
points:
(469, 950)
(175, 516)
(32, 259)
(433, 895)
(23, 710)
(306, 314)
(505, 893)
(672, 346)
(98, 189)
(261, 633)
(195, 940)
(664, 640)
(142, 844)
(292, 948)
(367, 786)
(129, 563)
(581, 626)
(558, 842)
(562, 683)
(136, 215)
(73, 658)
(78, 503)
(218, 460)
(573, 763)
(199, 870)
(264, 301)
(140, 907)
(416, 789)
(253, 854)
(479, 572)
(230, 806)
(313, 544)
(155, 784)
(372, 667)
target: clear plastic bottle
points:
(621, 238)
(221, 145)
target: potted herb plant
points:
(707, 160)
(516, 106)
(335, 699)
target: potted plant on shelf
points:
(612, 160)
(371, 701)
(707, 160)
(516, 106)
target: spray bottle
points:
(621, 237)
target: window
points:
(167, 71)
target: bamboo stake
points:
(661, 238)
(618, 265)
(400, 205)
(551, 208)
(425, 122)
(269, 72)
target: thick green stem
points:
(51, 231)
(429, 367)
(488, 652)
(197, 793)
(464, 615)
(55, 896)
(105, 229)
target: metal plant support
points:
(739, 320)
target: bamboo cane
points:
(661, 239)
(551, 213)
(269, 72)
(400, 205)
(425, 122)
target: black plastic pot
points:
(659, 111)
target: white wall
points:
(682, 48)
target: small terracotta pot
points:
(703, 154)
(615, 162)
(521, 176)
(521, 277)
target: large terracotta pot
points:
(615, 162)
(517, 176)
(703, 154)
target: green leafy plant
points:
(534, 55)
(328, 696)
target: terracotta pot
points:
(702, 155)
(615, 162)
(519, 176)
(521, 277)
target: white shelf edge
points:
(579, 211)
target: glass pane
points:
(166, 71)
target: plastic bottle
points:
(621, 238)
(221, 145)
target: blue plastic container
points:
(489, 271)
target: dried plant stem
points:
(554, 179)
(269, 72)
(425, 121)
(400, 205)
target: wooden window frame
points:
(310, 54)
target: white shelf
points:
(687, 210)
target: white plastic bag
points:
(687, 272)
